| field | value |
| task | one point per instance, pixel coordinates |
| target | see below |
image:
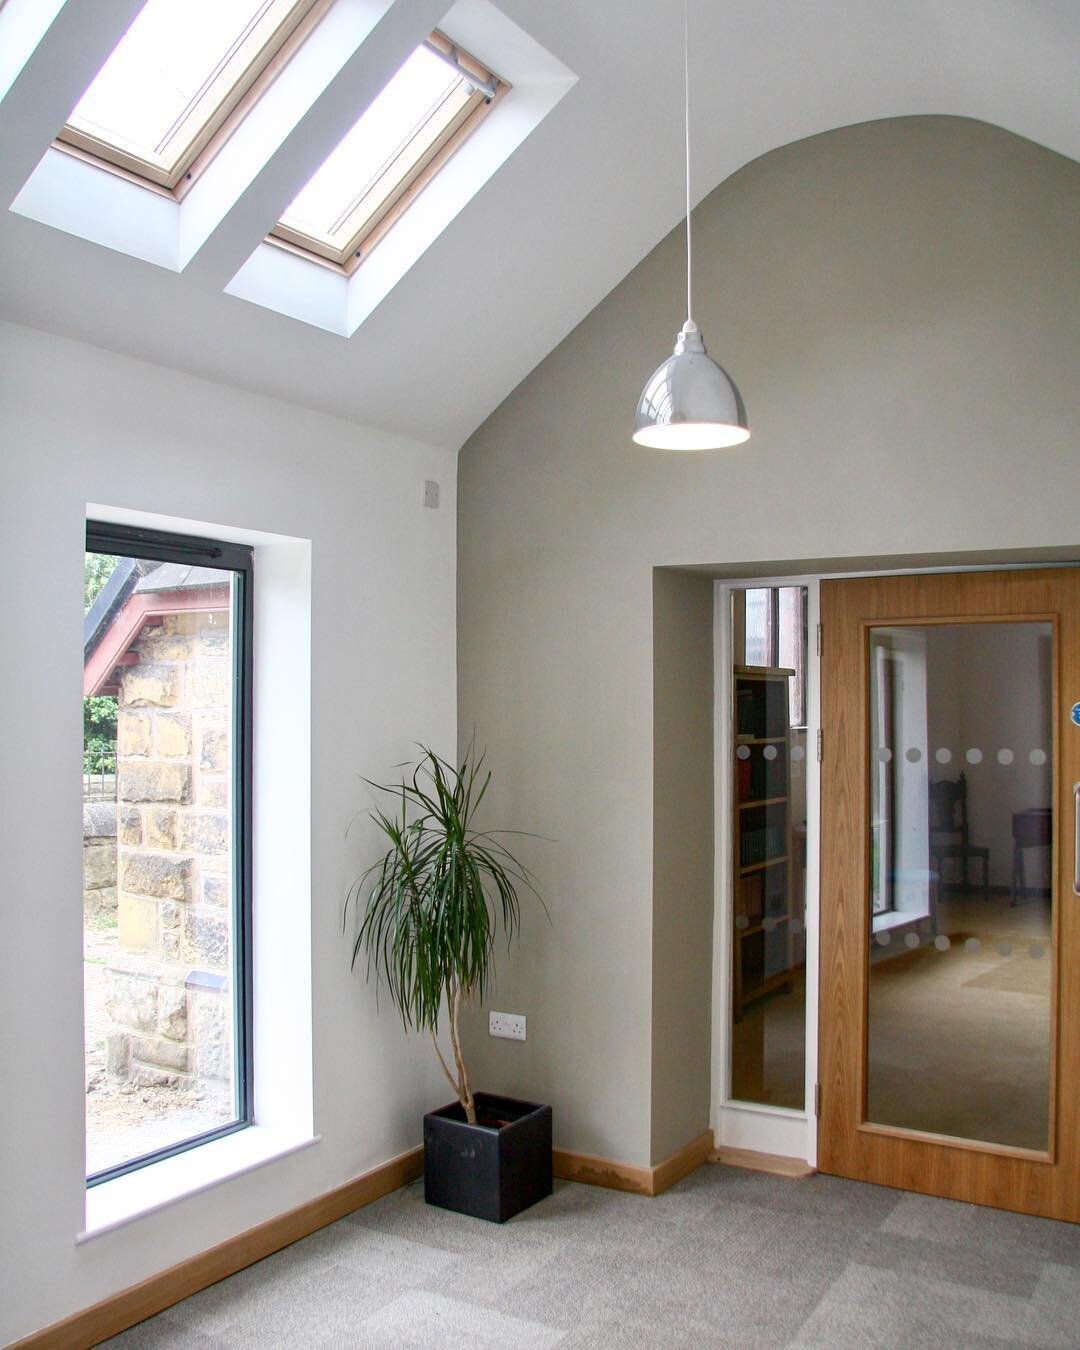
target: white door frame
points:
(776, 1130)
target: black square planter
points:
(491, 1171)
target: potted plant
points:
(431, 909)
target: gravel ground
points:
(124, 1121)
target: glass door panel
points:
(961, 784)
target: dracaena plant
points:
(431, 908)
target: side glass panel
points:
(768, 938)
(161, 933)
(961, 906)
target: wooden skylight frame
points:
(277, 30)
(375, 210)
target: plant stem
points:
(464, 1092)
(449, 1076)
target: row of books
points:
(756, 845)
(759, 777)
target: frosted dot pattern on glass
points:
(943, 755)
(1005, 756)
(1037, 757)
(913, 755)
(974, 755)
(743, 752)
(942, 943)
(770, 752)
(911, 940)
(797, 753)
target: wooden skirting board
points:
(762, 1162)
(120, 1311)
(618, 1176)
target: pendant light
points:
(689, 402)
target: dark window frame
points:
(134, 541)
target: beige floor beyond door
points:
(950, 918)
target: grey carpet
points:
(726, 1258)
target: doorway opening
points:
(956, 1012)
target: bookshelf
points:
(764, 863)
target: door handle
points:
(1076, 839)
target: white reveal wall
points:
(80, 425)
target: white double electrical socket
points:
(510, 1026)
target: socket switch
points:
(510, 1026)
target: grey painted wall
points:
(898, 302)
(682, 935)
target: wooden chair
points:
(949, 836)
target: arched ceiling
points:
(586, 196)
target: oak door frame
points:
(747, 1125)
(1030, 1181)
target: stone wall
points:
(99, 859)
(169, 990)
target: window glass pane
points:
(759, 628)
(960, 988)
(175, 66)
(396, 136)
(160, 937)
(768, 855)
(792, 647)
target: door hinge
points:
(817, 1099)
(820, 744)
(820, 640)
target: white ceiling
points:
(587, 195)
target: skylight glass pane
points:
(175, 67)
(399, 129)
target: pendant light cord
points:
(686, 111)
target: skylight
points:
(403, 138)
(177, 74)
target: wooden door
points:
(950, 999)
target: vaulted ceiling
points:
(579, 203)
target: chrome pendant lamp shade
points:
(689, 402)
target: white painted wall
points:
(81, 425)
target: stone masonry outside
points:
(157, 897)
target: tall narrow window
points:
(178, 74)
(166, 844)
(768, 938)
(404, 137)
